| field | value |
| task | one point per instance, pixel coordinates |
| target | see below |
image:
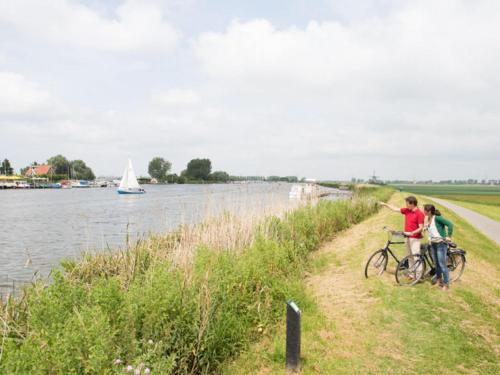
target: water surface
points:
(49, 225)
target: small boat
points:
(80, 184)
(129, 183)
(66, 184)
(296, 192)
(303, 191)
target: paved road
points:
(489, 227)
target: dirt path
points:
(488, 226)
(353, 303)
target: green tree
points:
(158, 168)
(80, 171)
(172, 178)
(60, 164)
(273, 178)
(6, 168)
(199, 169)
(219, 176)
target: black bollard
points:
(292, 337)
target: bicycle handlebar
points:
(395, 232)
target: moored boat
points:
(80, 184)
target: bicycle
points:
(413, 268)
(377, 263)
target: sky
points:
(327, 89)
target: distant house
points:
(39, 170)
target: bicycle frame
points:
(429, 260)
(388, 249)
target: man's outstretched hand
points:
(390, 207)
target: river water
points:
(38, 228)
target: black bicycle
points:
(377, 263)
(414, 268)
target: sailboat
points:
(129, 184)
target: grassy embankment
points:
(374, 326)
(480, 198)
(160, 306)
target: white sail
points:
(129, 181)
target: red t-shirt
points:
(412, 220)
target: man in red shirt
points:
(414, 224)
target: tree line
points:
(197, 170)
(62, 169)
(70, 169)
(200, 170)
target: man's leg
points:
(415, 250)
(408, 249)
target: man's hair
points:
(411, 200)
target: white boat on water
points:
(129, 183)
(296, 192)
(303, 191)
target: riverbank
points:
(357, 326)
(174, 312)
(68, 222)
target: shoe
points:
(441, 283)
(445, 288)
(434, 280)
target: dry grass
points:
(224, 232)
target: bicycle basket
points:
(397, 236)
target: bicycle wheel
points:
(410, 270)
(377, 263)
(456, 266)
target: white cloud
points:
(18, 95)
(175, 97)
(414, 47)
(136, 25)
(424, 74)
(417, 84)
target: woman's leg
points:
(439, 273)
(442, 261)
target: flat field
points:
(470, 192)
(484, 199)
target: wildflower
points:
(150, 342)
(147, 371)
(137, 371)
(129, 368)
(117, 361)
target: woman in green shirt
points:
(440, 231)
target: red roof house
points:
(38, 170)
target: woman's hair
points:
(430, 208)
